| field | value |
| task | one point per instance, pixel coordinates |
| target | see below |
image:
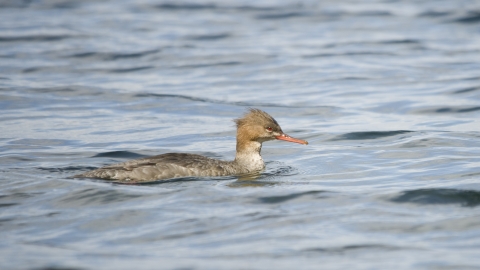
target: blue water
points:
(386, 92)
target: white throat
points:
(249, 157)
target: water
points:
(386, 92)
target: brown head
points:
(257, 125)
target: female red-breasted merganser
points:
(254, 128)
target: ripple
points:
(15, 3)
(209, 37)
(284, 198)
(433, 13)
(466, 198)
(113, 56)
(369, 135)
(374, 13)
(430, 142)
(18, 195)
(119, 154)
(471, 17)
(349, 248)
(280, 16)
(281, 170)
(126, 70)
(231, 63)
(346, 54)
(402, 41)
(185, 6)
(215, 101)
(450, 109)
(32, 38)
(68, 91)
(200, 7)
(466, 90)
(92, 196)
(67, 169)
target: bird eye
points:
(269, 129)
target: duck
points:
(253, 128)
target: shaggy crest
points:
(253, 116)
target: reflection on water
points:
(251, 182)
(386, 92)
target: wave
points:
(466, 198)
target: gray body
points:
(254, 128)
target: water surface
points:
(386, 92)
